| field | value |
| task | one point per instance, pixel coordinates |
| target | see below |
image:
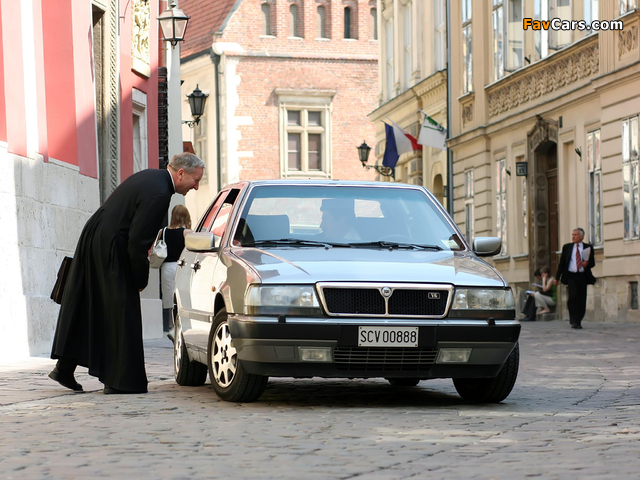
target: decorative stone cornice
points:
(564, 68)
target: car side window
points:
(205, 225)
(221, 218)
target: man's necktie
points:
(578, 259)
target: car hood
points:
(310, 265)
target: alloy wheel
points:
(224, 358)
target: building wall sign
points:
(521, 169)
(548, 78)
(141, 20)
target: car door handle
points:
(196, 265)
(181, 262)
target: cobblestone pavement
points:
(574, 413)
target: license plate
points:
(387, 336)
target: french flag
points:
(398, 142)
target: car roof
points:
(327, 183)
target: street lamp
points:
(197, 101)
(363, 154)
(173, 24)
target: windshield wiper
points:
(294, 241)
(385, 244)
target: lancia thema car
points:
(340, 279)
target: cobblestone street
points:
(574, 413)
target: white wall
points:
(44, 207)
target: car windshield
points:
(344, 216)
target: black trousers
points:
(577, 303)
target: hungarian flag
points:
(398, 142)
(432, 133)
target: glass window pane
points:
(633, 130)
(466, 11)
(315, 151)
(293, 21)
(266, 19)
(626, 199)
(635, 200)
(347, 22)
(515, 35)
(597, 210)
(625, 140)
(596, 148)
(314, 118)
(322, 22)
(293, 117)
(467, 59)
(590, 151)
(498, 48)
(294, 151)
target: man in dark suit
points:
(100, 323)
(574, 270)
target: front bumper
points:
(267, 346)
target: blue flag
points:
(391, 156)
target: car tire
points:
(230, 382)
(188, 373)
(404, 382)
(491, 390)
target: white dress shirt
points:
(573, 267)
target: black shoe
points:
(66, 380)
(115, 391)
(576, 326)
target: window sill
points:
(350, 39)
(323, 39)
(503, 258)
(267, 36)
(521, 256)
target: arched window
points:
(347, 22)
(373, 24)
(322, 22)
(266, 19)
(294, 21)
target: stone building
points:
(78, 114)
(413, 78)
(290, 84)
(545, 139)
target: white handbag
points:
(158, 252)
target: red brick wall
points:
(348, 66)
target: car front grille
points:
(411, 302)
(385, 359)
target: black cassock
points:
(100, 323)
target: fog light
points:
(315, 354)
(454, 355)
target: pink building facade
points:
(78, 114)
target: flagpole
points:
(449, 116)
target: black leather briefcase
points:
(58, 288)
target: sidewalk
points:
(27, 380)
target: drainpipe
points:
(216, 64)
(449, 116)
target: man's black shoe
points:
(115, 391)
(66, 380)
(576, 326)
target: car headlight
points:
(482, 299)
(282, 300)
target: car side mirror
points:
(202, 242)
(487, 246)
